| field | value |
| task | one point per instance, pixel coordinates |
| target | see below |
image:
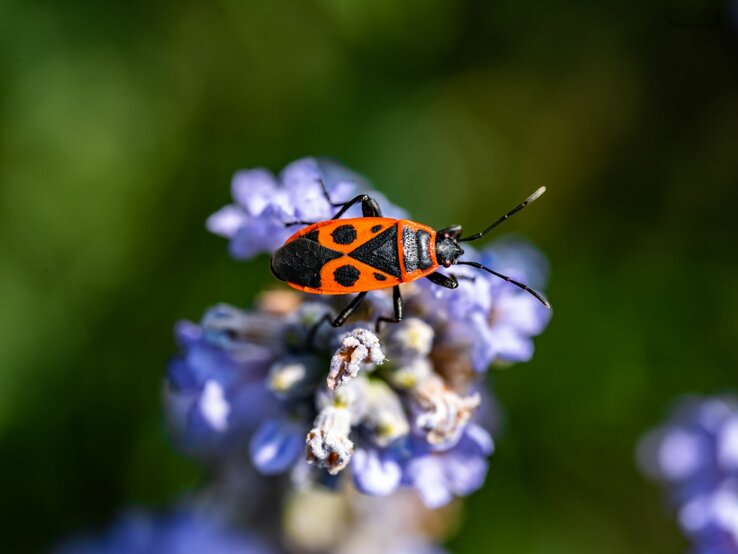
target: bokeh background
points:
(122, 123)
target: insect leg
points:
(310, 338)
(448, 281)
(327, 194)
(369, 206)
(454, 231)
(348, 310)
(397, 301)
(340, 319)
(458, 277)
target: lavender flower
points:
(255, 223)
(241, 381)
(494, 318)
(695, 455)
(178, 533)
(438, 476)
(215, 390)
(393, 410)
(259, 392)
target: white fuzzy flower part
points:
(443, 413)
(359, 347)
(328, 444)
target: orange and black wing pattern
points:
(346, 255)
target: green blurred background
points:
(121, 125)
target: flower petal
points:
(254, 190)
(276, 445)
(374, 472)
(227, 221)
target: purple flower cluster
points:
(263, 203)
(695, 455)
(241, 388)
(377, 431)
(497, 319)
(393, 410)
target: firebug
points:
(341, 256)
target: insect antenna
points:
(505, 217)
(518, 284)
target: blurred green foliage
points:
(122, 123)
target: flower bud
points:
(232, 329)
(292, 378)
(410, 338)
(410, 374)
(385, 420)
(328, 444)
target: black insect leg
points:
(454, 231)
(448, 281)
(348, 310)
(291, 223)
(397, 301)
(327, 194)
(369, 206)
(458, 277)
(340, 319)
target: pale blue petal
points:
(276, 445)
(374, 472)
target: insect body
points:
(341, 256)
(356, 255)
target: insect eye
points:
(447, 263)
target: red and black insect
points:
(342, 256)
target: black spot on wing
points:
(344, 234)
(346, 275)
(376, 228)
(379, 276)
(380, 252)
(300, 261)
